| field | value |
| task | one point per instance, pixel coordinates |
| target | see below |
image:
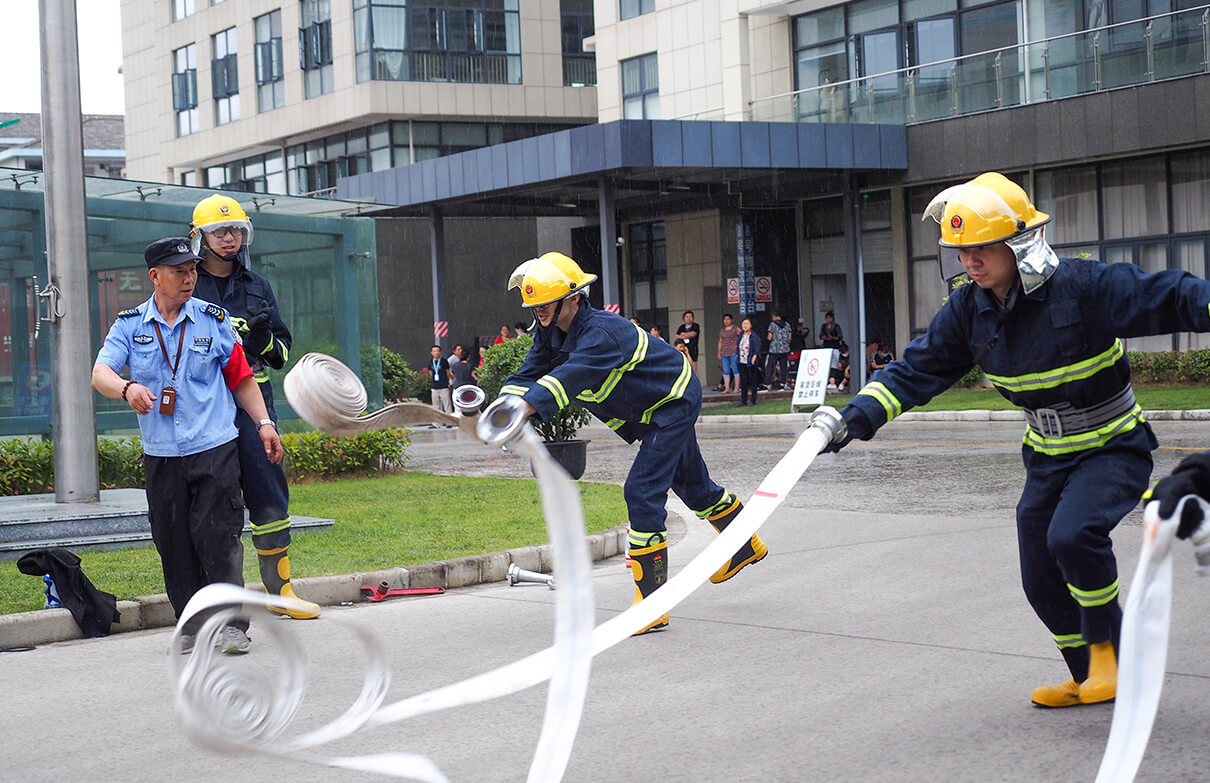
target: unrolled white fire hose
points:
(1143, 649)
(225, 710)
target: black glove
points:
(857, 425)
(1191, 477)
(259, 334)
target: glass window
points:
(820, 60)
(870, 15)
(270, 80)
(315, 47)
(826, 25)
(184, 89)
(1191, 192)
(1135, 198)
(1069, 196)
(181, 9)
(224, 76)
(641, 88)
(922, 9)
(576, 21)
(632, 8)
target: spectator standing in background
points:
(779, 351)
(439, 370)
(688, 333)
(728, 354)
(504, 335)
(830, 335)
(656, 332)
(749, 362)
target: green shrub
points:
(972, 379)
(27, 466)
(317, 455)
(1195, 365)
(398, 379)
(121, 462)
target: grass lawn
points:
(400, 520)
(1149, 397)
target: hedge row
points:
(27, 465)
(1171, 367)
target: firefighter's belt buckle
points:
(1049, 423)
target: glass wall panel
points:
(1069, 196)
(1135, 198)
(1191, 191)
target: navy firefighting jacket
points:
(615, 370)
(1060, 344)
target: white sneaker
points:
(233, 641)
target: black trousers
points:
(266, 492)
(749, 377)
(197, 514)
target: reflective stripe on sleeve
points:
(513, 388)
(889, 402)
(552, 385)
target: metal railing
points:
(462, 67)
(1144, 50)
(579, 70)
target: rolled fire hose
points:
(225, 714)
(1143, 651)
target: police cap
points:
(170, 251)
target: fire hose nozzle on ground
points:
(828, 419)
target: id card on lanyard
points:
(168, 395)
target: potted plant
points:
(559, 431)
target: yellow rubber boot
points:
(649, 565)
(275, 574)
(1065, 694)
(752, 551)
(1102, 682)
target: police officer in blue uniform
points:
(185, 363)
(1047, 334)
(221, 233)
(641, 388)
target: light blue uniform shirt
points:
(205, 408)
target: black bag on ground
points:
(94, 610)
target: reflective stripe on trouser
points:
(668, 458)
(1064, 518)
(264, 485)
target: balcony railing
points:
(1136, 52)
(462, 67)
(579, 70)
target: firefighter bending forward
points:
(221, 234)
(644, 390)
(1047, 333)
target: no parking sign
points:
(812, 383)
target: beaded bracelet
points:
(126, 388)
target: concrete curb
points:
(975, 415)
(153, 611)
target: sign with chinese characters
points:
(732, 290)
(764, 289)
(812, 382)
(746, 265)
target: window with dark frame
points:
(270, 80)
(184, 89)
(576, 22)
(641, 88)
(315, 48)
(629, 9)
(224, 76)
(462, 41)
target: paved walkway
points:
(885, 638)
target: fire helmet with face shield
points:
(988, 209)
(549, 278)
(213, 214)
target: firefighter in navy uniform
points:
(1047, 334)
(222, 232)
(641, 388)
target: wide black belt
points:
(1066, 419)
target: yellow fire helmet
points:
(214, 213)
(549, 278)
(988, 209)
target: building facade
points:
(286, 96)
